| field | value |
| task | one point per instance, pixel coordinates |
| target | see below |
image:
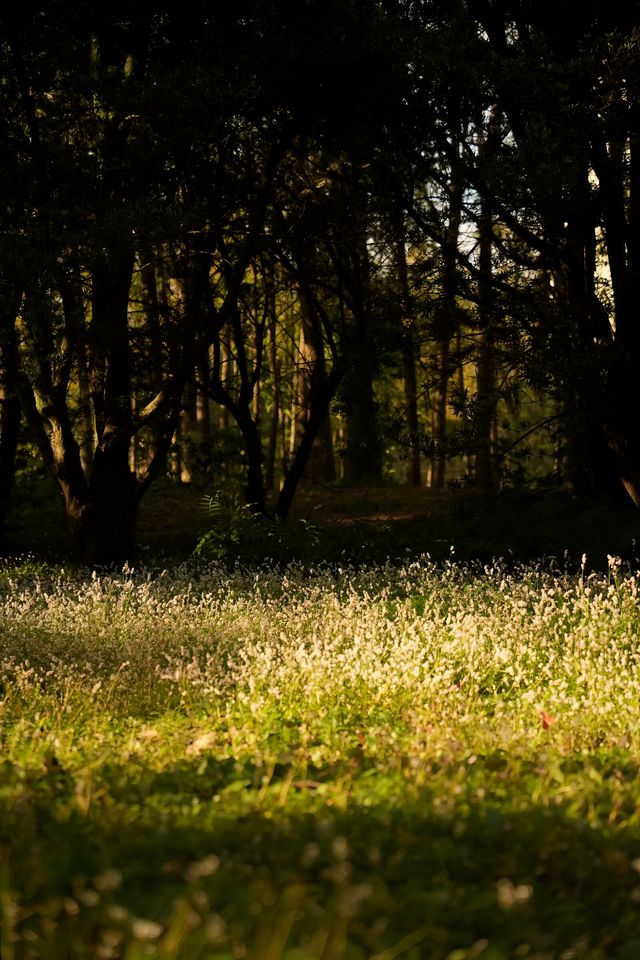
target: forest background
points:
(319, 280)
(264, 245)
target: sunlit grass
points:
(435, 761)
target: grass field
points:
(411, 761)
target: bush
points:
(236, 533)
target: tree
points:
(98, 189)
(9, 403)
(568, 87)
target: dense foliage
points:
(267, 241)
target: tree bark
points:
(105, 529)
(318, 411)
(445, 326)
(320, 463)
(486, 359)
(408, 353)
(9, 409)
(363, 454)
(276, 398)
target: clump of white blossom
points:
(418, 646)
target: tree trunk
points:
(154, 283)
(87, 432)
(318, 414)
(187, 431)
(485, 421)
(255, 489)
(363, 460)
(9, 434)
(320, 464)
(105, 529)
(408, 355)
(276, 400)
(620, 197)
(439, 414)
(101, 514)
(9, 422)
(486, 360)
(363, 453)
(411, 407)
(445, 327)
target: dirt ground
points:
(327, 503)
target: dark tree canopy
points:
(314, 230)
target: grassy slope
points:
(420, 762)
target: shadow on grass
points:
(223, 865)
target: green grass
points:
(413, 761)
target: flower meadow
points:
(412, 760)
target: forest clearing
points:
(412, 760)
(308, 312)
